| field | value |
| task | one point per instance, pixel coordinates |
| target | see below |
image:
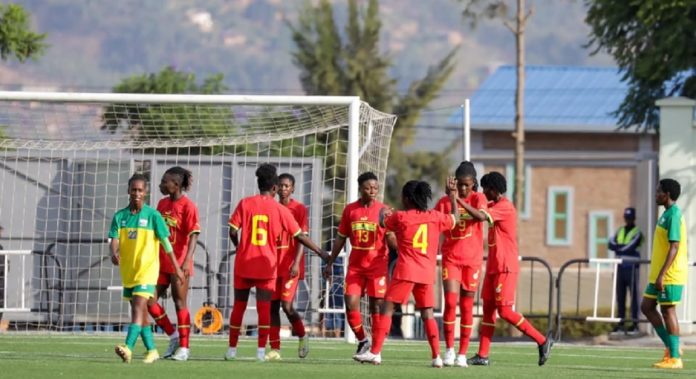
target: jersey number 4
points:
(420, 239)
(259, 235)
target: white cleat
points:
(368, 357)
(449, 358)
(437, 362)
(181, 354)
(261, 354)
(363, 347)
(173, 346)
(231, 354)
(303, 347)
(461, 361)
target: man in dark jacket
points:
(626, 244)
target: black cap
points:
(630, 213)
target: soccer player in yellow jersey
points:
(136, 233)
(668, 272)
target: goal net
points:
(65, 160)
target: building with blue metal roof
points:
(581, 169)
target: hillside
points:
(96, 43)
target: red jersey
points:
(418, 235)
(463, 245)
(261, 220)
(503, 255)
(360, 224)
(287, 246)
(181, 216)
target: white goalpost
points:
(65, 159)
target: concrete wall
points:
(677, 160)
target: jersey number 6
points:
(259, 235)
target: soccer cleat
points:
(303, 347)
(670, 363)
(231, 354)
(363, 347)
(273, 355)
(437, 362)
(368, 357)
(124, 352)
(261, 354)
(181, 354)
(151, 356)
(449, 358)
(667, 356)
(461, 361)
(478, 360)
(173, 345)
(545, 350)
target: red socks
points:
(275, 337)
(184, 325)
(449, 318)
(520, 323)
(161, 319)
(379, 333)
(355, 322)
(433, 337)
(298, 326)
(466, 324)
(487, 328)
(236, 321)
(263, 308)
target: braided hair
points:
(418, 194)
(184, 177)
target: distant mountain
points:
(94, 43)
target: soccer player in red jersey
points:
(255, 228)
(368, 258)
(290, 257)
(502, 268)
(181, 216)
(417, 231)
(462, 258)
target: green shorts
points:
(143, 290)
(671, 294)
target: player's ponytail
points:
(184, 176)
(418, 194)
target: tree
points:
(654, 44)
(16, 37)
(473, 10)
(148, 121)
(352, 64)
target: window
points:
(559, 216)
(601, 225)
(524, 211)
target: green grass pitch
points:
(83, 356)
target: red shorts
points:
(468, 276)
(400, 290)
(164, 279)
(357, 284)
(241, 283)
(285, 289)
(500, 287)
